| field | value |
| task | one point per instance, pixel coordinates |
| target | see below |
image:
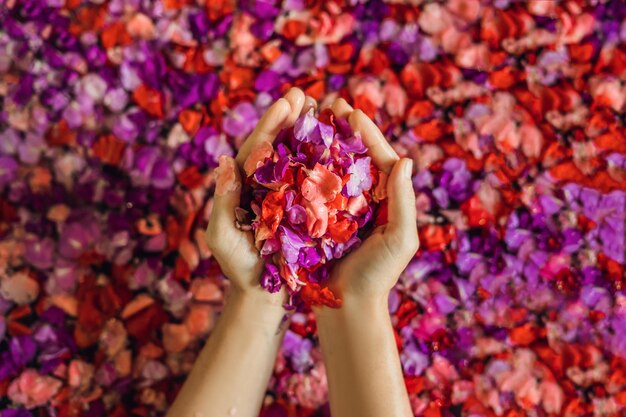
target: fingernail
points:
(309, 103)
(407, 169)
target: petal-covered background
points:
(113, 113)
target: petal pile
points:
(114, 113)
(313, 200)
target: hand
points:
(233, 248)
(373, 268)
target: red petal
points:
(342, 230)
(143, 324)
(149, 100)
(190, 120)
(115, 35)
(314, 294)
(406, 311)
(18, 329)
(272, 209)
(339, 203)
(327, 117)
(109, 149)
(431, 131)
(293, 29)
(340, 53)
(476, 213)
(434, 237)
(523, 335)
(60, 134)
(190, 177)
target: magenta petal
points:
(8, 170)
(3, 328)
(39, 253)
(291, 244)
(270, 246)
(23, 349)
(270, 280)
(267, 81)
(74, 240)
(162, 174)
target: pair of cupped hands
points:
(367, 273)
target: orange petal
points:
(176, 337)
(200, 320)
(136, 305)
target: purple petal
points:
(162, 174)
(39, 253)
(23, 349)
(309, 257)
(3, 328)
(74, 240)
(8, 170)
(291, 244)
(360, 177)
(267, 81)
(305, 127)
(241, 120)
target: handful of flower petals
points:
(310, 198)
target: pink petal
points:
(316, 217)
(321, 185)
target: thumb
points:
(401, 230)
(226, 198)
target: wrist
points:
(256, 304)
(355, 308)
(258, 294)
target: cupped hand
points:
(233, 248)
(374, 267)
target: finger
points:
(378, 148)
(296, 99)
(266, 130)
(226, 198)
(309, 103)
(281, 114)
(401, 215)
(341, 108)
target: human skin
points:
(357, 341)
(231, 373)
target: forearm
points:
(361, 359)
(231, 373)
